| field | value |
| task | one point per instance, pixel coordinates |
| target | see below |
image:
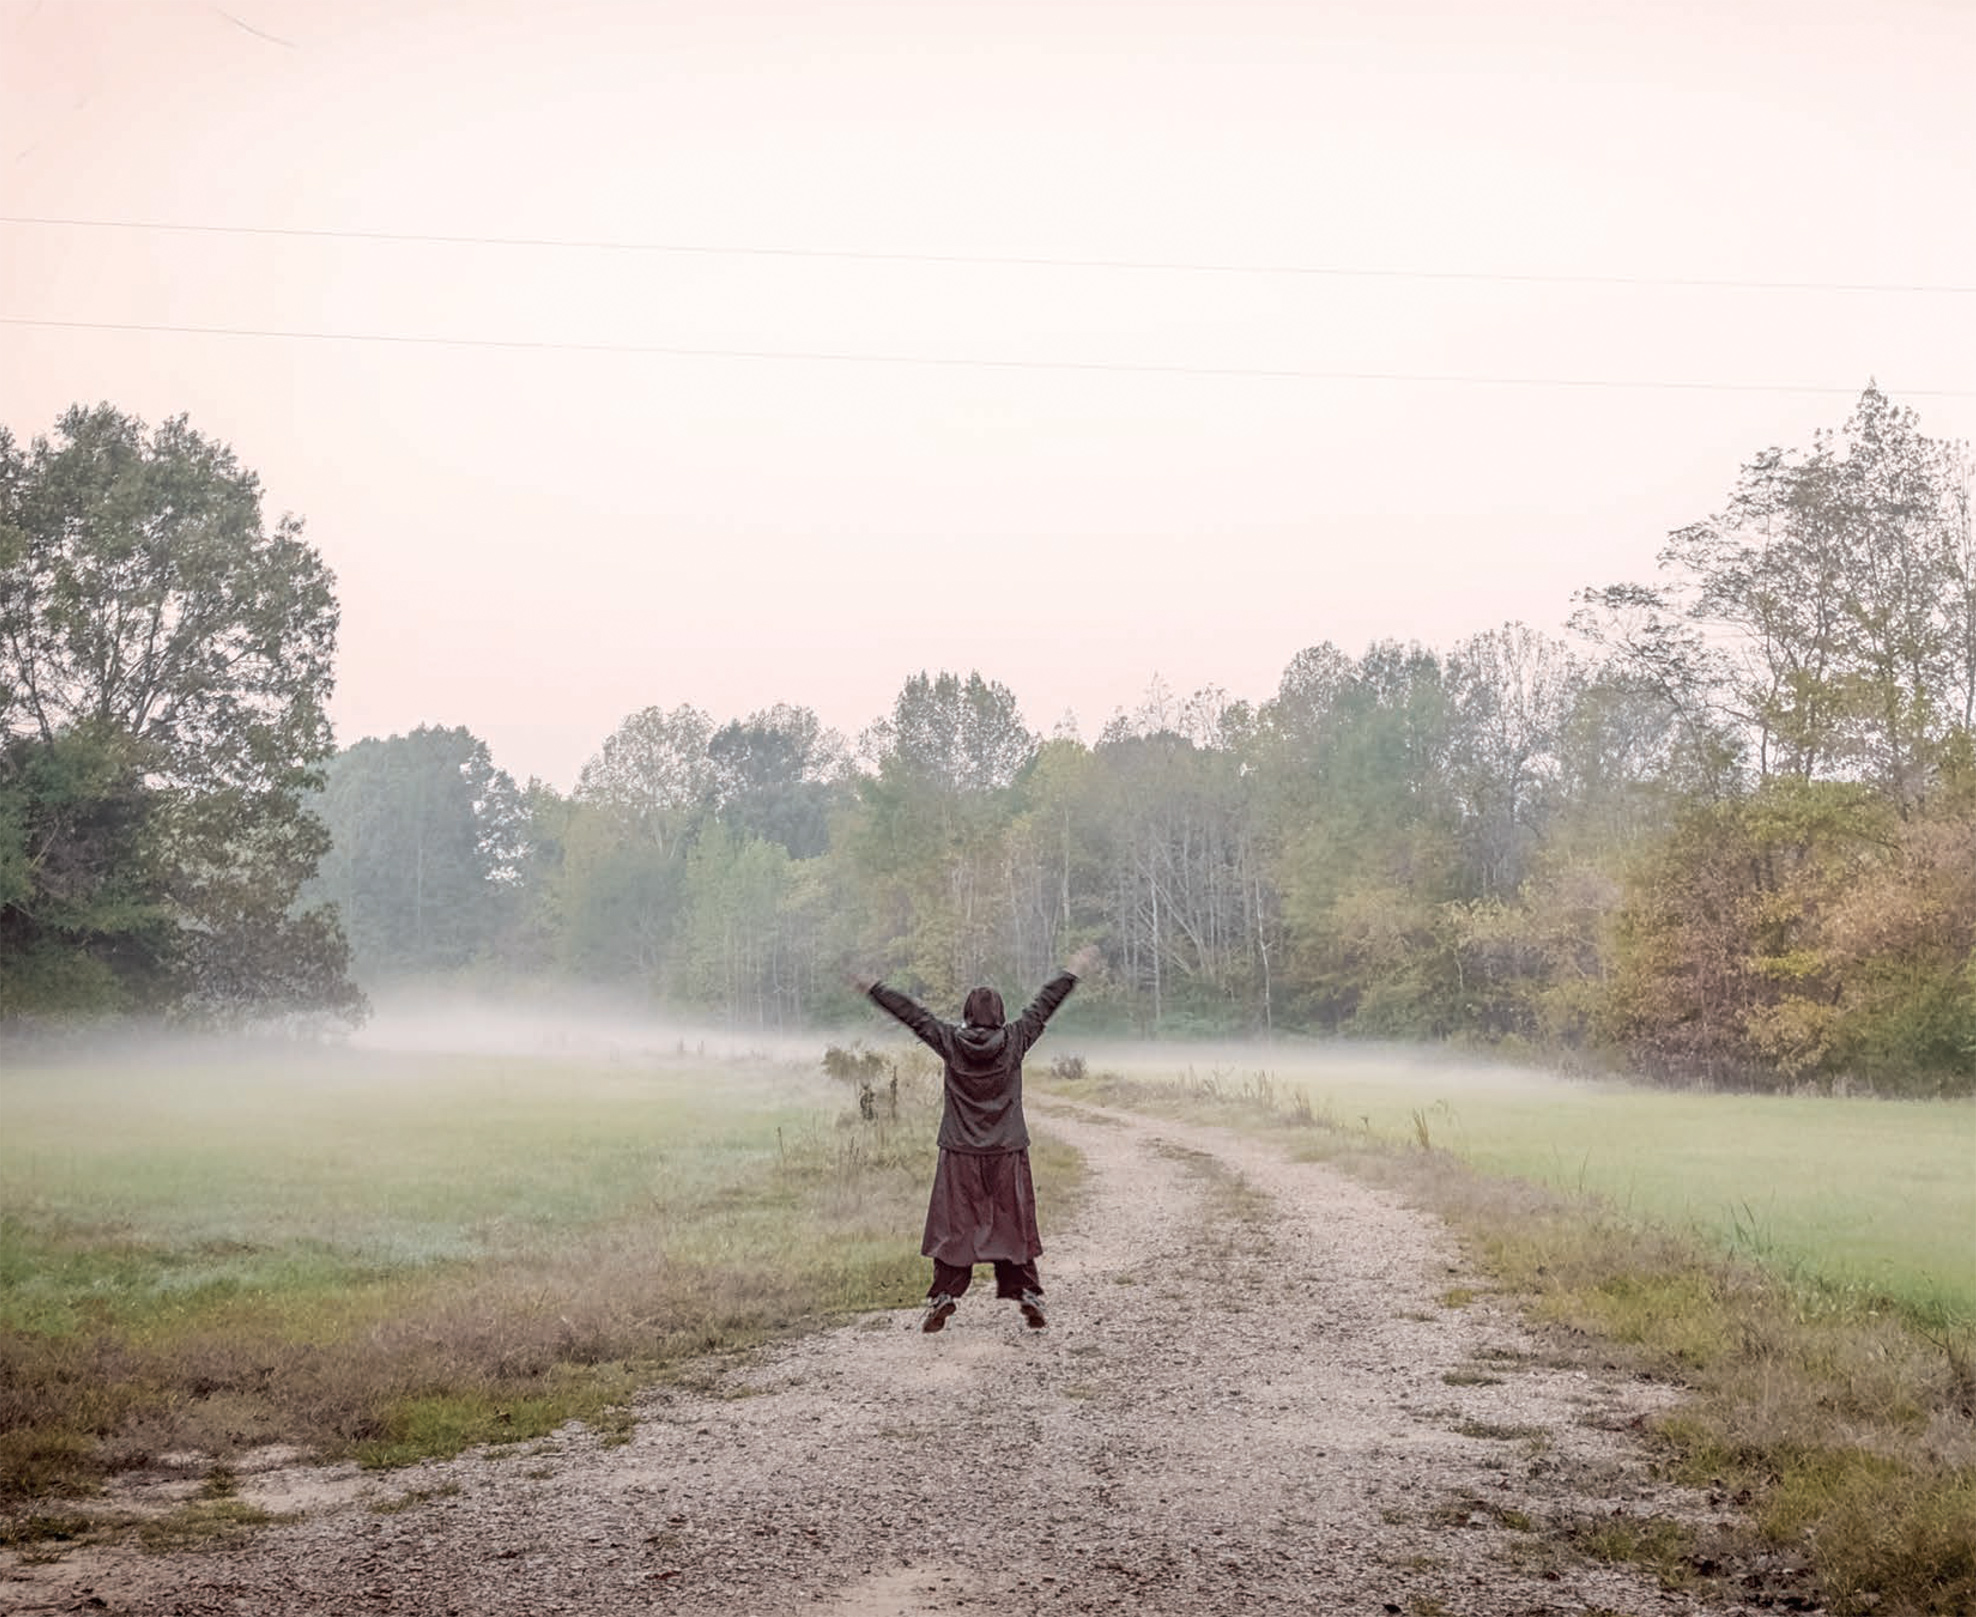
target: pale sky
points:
(534, 541)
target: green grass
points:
(1867, 1198)
(204, 1524)
(391, 1258)
(333, 1167)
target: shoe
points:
(937, 1311)
(1031, 1305)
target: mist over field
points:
(597, 1025)
(1853, 1193)
(570, 1026)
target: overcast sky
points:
(535, 539)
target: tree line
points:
(1724, 830)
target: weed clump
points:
(853, 1064)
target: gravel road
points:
(1240, 1405)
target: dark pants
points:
(1011, 1279)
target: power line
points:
(959, 361)
(997, 260)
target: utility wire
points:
(957, 361)
(1185, 267)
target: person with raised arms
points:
(983, 1206)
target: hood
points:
(979, 1048)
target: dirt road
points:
(1242, 1404)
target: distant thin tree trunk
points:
(1262, 949)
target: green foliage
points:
(1826, 620)
(164, 661)
(685, 864)
(425, 844)
(84, 925)
(741, 934)
(776, 778)
(617, 898)
(1807, 933)
(1506, 844)
(954, 735)
(653, 775)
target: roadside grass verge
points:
(1841, 1421)
(388, 1259)
(1873, 1198)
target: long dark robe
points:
(983, 1206)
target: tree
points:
(1825, 615)
(775, 776)
(1511, 691)
(736, 940)
(927, 837)
(1961, 609)
(1739, 944)
(954, 735)
(1308, 694)
(1169, 816)
(84, 925)
(426, 844)
(1625, 757)
(1048, 862)
(639, 803)
(1366, 841)
(653, 773)
(142, 598)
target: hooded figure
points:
(983, 1207)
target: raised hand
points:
(1087, 960)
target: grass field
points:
(1862, 1197)
(392, 1256)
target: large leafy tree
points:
(1823, 620)
(776, 775)
(1807, 931)
(1367, 840)
(740, 948)
(653, 774)
(152, 623)
(954, 735)
(928, 842)
(639, 802)
(426, 845)
(1512, 690)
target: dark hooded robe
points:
(983, 1206)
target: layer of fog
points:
(598, 1027)
(570, 1027)
(590, 1027)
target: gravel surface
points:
(1239, 1405)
